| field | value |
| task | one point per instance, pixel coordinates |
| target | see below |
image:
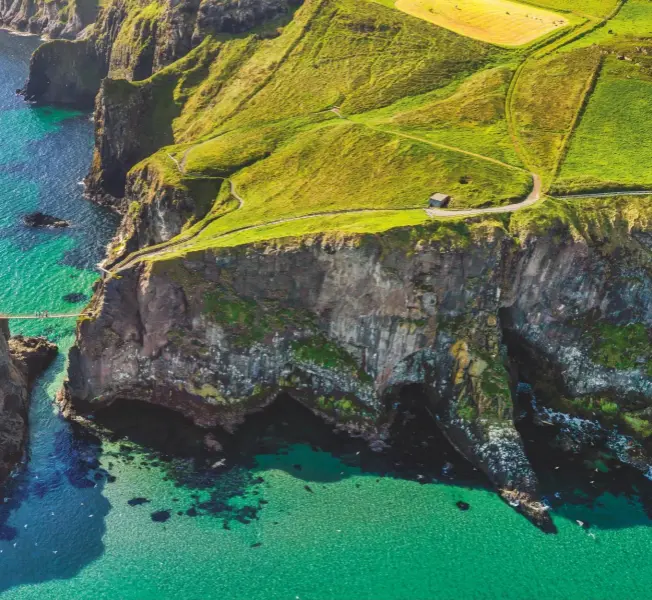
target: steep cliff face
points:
(122, 137)
(589, 310)
(55, 19)
(21, 361)
(131, 40)
(344, 325)
(64, 72)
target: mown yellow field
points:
(494, 21)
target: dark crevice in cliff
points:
(527, 362)
(416, 435)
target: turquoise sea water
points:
(295, 512)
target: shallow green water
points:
(353, 534)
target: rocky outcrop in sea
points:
(22, 360)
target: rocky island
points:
(39, 219)
(273, 165)
(22, 359)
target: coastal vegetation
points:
(312, 139)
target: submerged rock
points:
(39, 219)
(138, 501)
(161, 516)
(75, 298)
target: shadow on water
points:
(152, 437)
(591, 485)
(228, 484)
(52, 511)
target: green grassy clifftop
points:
(341, 110)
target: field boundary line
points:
(580, 195)
(576, 33)
(587, 93)
(428, 142)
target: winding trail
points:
(235, 194)
(532, 198)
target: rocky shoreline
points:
(456, 314)
(22, 360)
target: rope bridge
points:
(43, 316)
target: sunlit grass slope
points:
(612, 146)
(469, 115)
(592, 8)
(547, 104)
(356, 106)
(357, 55)
(345, 166)
(500, 22)
(258, 111)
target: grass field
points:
(357, 106)
(499, 22)
(592, 8)
(547, 101)
(633, 21)
(358, 55)
(612, 146)
(257, 111)
(343, 166)
(469, 115)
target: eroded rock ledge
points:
(22, 359)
